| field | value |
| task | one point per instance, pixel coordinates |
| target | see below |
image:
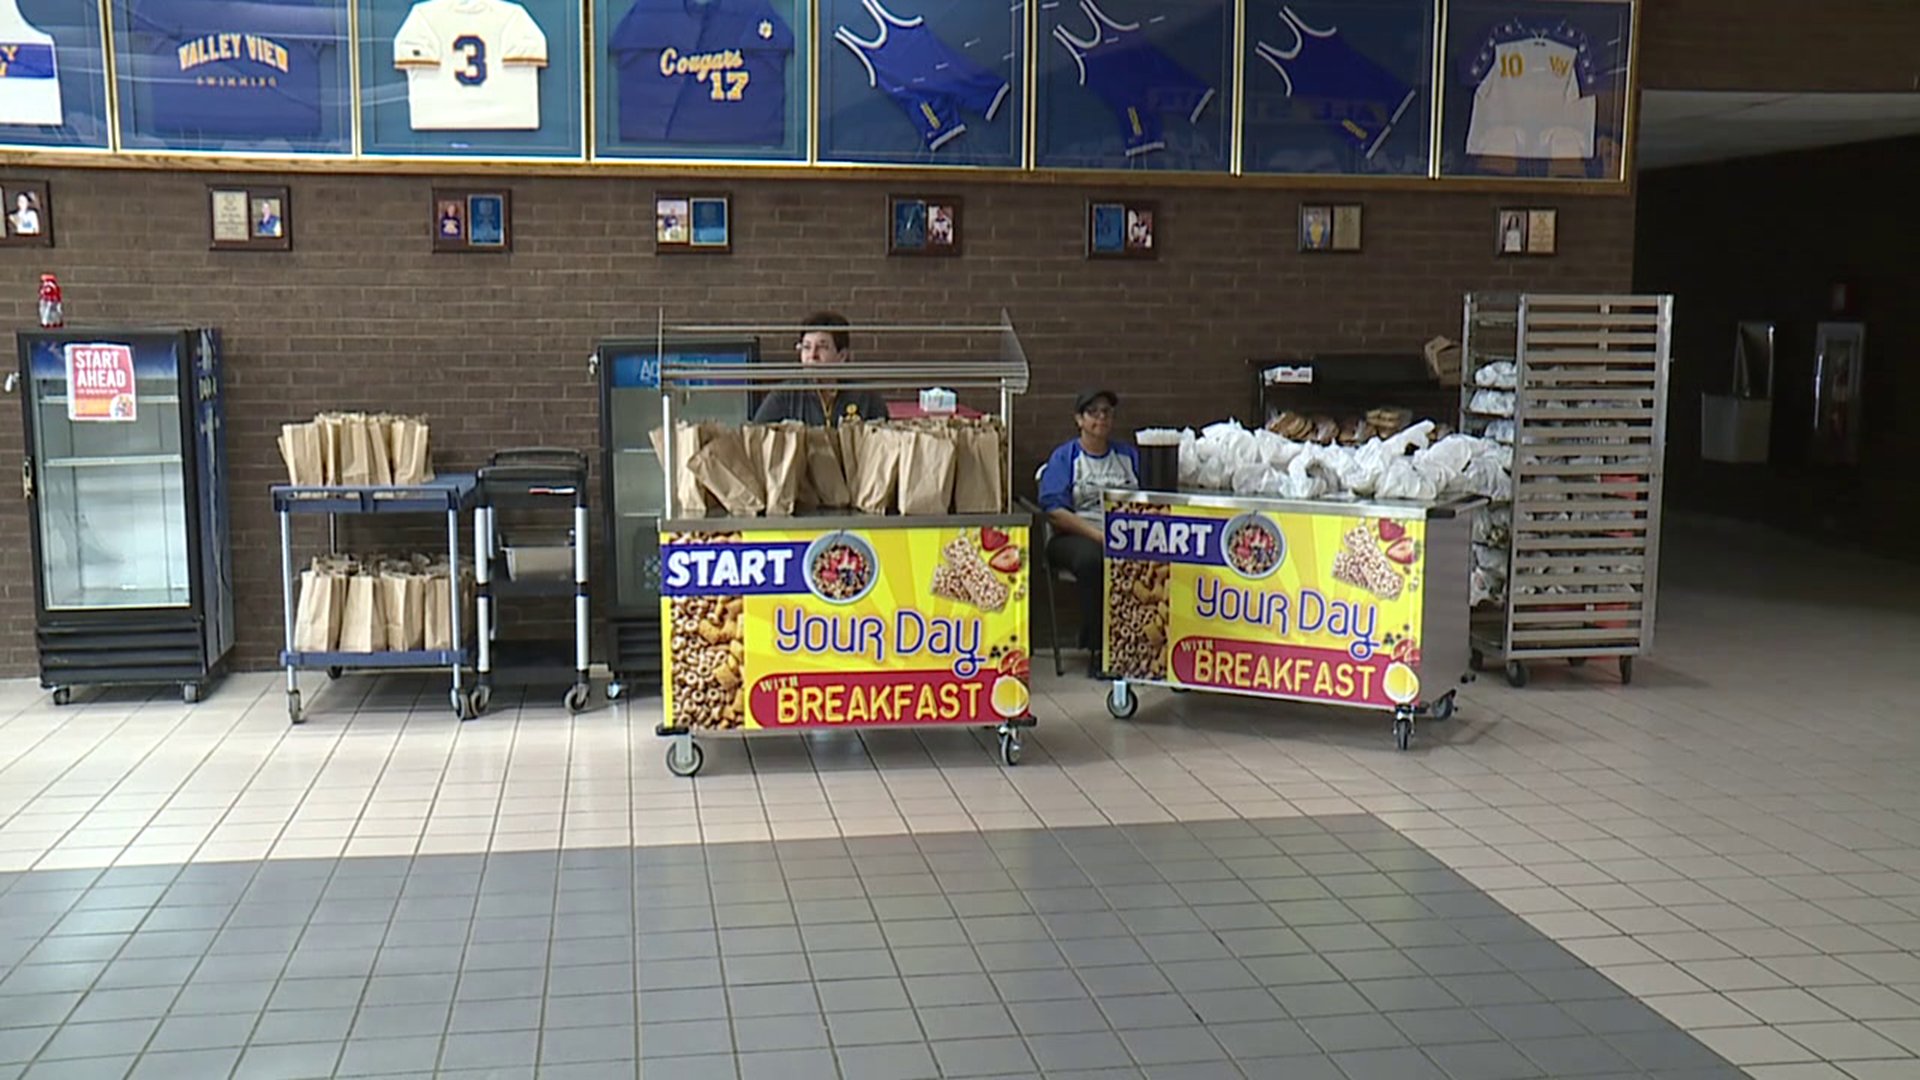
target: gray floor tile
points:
(701, 1067)
(475, 1050)
(837, 937)
(676, 974)
(1490, 990)
(676, 1038)
(94, 1068)
(433, 989)
(1320, 999)
(1078, 1051)
(159, 971)
(1199, 976)
(1190, 1070)
(184, 1064)
(1669, 1048)
(966, 1022)
(52, 978)
(1402, 995)
(589, 1010)
(1442, 1027)
(657, 1006)
(1147, 1011)
(1373, 964)
(213, 1032)
(100, 1040)
(504, 1014)
(590, 979)
(1292, 970)
(34, 1010)
(1579, 1055)
(896, 1062)
(780, 1033)
(789, 1065)
(1059, 1018)
(624, 1069)
(294, 1061)
(929, 990)
(1405, 1064)
(877, 1027)
(982, 1057)
(1483, 1061)
(396, 1021)
(1263, 1038)
(611, 1043)
(375, 1056)
(1615, 1016)
(1234, 1006)
(22, 1044)
(772, 968)
(1023, 986)
(772, 999)
(1529, 1021)
(1172, 1046)
(317, 993)
(865, 995)
(305, 1025)
(1340, 1034)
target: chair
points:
(1043, 537)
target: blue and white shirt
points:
(1076, 480)
(711, 72)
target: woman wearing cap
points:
(1071, 492)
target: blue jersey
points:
(930, 81)
(232, 67)
(1345, 89)
(702, 73)
(1136, 80)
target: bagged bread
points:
(405, 596)
(825, 473)
(304, 451)
(875, 480)
(323, 601)
(363, 626)
(687, 492)
(978, 478)
(783, 465)
(409, 450)
(724, 469)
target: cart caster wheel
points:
(1403, 733)
(1516, 674)
(576, 699)
(1442, 707)
(62, 695)
(462, 704)
(616, 691)
(1626, 671)
(293, 707)
(334, 672)
(1122, 702)
(1576, 661)
(1477, 660)
(190, 693)
(481, 698)
(1009, 749)
(685, 766)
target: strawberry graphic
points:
(992, 539)
(1391, 530)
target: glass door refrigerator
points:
(126, 482)
(635, 497)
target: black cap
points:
(1088, 397)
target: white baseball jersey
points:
(1528, 104)
(472, 65)
(29, 82)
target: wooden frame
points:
(699, 223)
(924, 225)
(29, 225)
(1526, 230)
(1124, 229)
(244, 217)
(471, 220)
(1330, 227)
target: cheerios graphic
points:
(1138, 612)
(709, 653)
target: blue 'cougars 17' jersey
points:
(712, 73)
(232, 67)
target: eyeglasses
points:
(1099, 412)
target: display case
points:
(126, 481)
(628, 370)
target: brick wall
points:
(359, 315)
(1842, 45)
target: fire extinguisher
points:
(52, 309)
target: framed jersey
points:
(1135, 84)
(701, 79)
(471, 78)
(922, 82)
(1339, 86)
(269, 76)
(53, 75)
(1536, 90)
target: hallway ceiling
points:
(1690, 127)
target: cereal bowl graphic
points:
(1009, 697)
(1252, 545)
(840, 567)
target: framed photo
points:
(927, 225)
(1330, 228)
(692, 223)
(245, 218)
(472, 220)
(1123, 230)
(1526, 231)
(29, 214)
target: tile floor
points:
(1732, 844)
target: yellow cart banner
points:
(1317, 607)
(808, 628)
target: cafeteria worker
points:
(822, 344)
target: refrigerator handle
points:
(26, 477)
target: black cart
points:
(532, 556)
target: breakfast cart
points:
(1353, 603)
(840, 619)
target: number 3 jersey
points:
(1533, 93)
(472, 65)
(702, 72)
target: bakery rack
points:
(1567, 568)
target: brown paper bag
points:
(784, 465)
(356, 451)
(405, 594)
(876, 482)
(302, 449)
(363, 626)
(408, 450)
(978, 481)
(723, 468)
(824, 472)
(687, 490)
(377, 442)
(927, 462)
(329, 424)
(323, 598)
(439, 606)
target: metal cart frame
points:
(1006, 375)
(1590, 427)
(449, 494)
(524, 478)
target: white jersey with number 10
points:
(1528, 105)
(472, 65)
